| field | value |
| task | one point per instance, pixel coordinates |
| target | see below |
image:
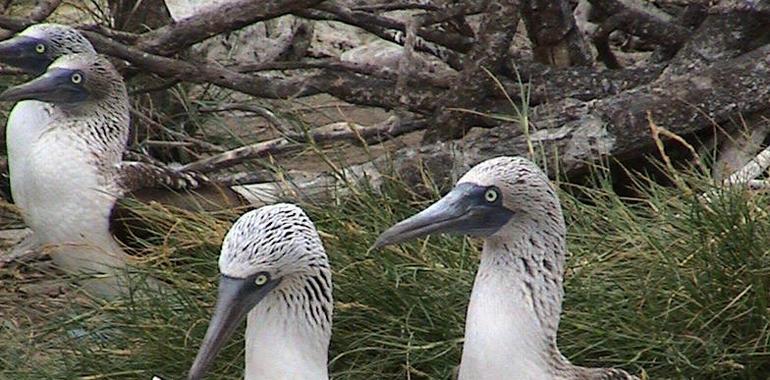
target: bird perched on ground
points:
(74, 173)
(275, 273)
(32, 51)
(516, 302)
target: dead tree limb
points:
(498, 27)
(41, 12)
(638, 23)
(354, 133)
(447, 55)
(452, 41)
(224, 18)
(578, 133)
(555, 37)
(351, 87)
(723, 35)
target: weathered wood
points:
(724, 34)
(555, 37)
(224, 18)
(468, 90)
(578, 133)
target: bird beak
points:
(461, 211)
(20, 52)
(55, 86)
(236, 297)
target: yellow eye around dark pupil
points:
(76, 78)
(490, 195)
(40, 48)
(260, 280)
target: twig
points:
(162, 86)
(636, 22)
(396, 6)
(247, 178)
(239, 155)
(125, 37)
(406, 63)
(377, 133)
(449, 56)
(39, 13)
(189, 139)
(453, 41)
(226, 17)
(265, 113)
(329, 63)
(351, 87)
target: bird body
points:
(276, 275)
(501, 328)
(280, 344)
(26, 122)
(515, 306)
(32, 51)
(67, 177)
(66, 139)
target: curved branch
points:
(224, 18)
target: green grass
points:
(662, 285)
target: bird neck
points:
(513, 315)
(102, 125)
(288, 333)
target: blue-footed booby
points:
(516, 302)
(74, 173)
(275, 273)
(71, 176)
(32, 51)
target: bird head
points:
(36, 47)
(263, 249)
(493, 194)
(70, 80)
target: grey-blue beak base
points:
(55, 86)
(20, 52)
(462, 211)
(235, 298)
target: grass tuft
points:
(661, 283)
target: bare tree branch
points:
(555, 37)
(41, 12)
(636, 22)
(357, 134)
(397, 36)
(224, 18)
(487, 56)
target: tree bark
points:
(571, 134)
(555, 37)
(231, 16)
(474, 82)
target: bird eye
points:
(491, 195)
(40, 48)
(261, 279)
(76, 78)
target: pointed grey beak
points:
(55, 86)
(462, 211)
(20, 52)
(236, 297)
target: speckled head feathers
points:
(60, 39)
(279, 239)
(99, 77)
(522, 183)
